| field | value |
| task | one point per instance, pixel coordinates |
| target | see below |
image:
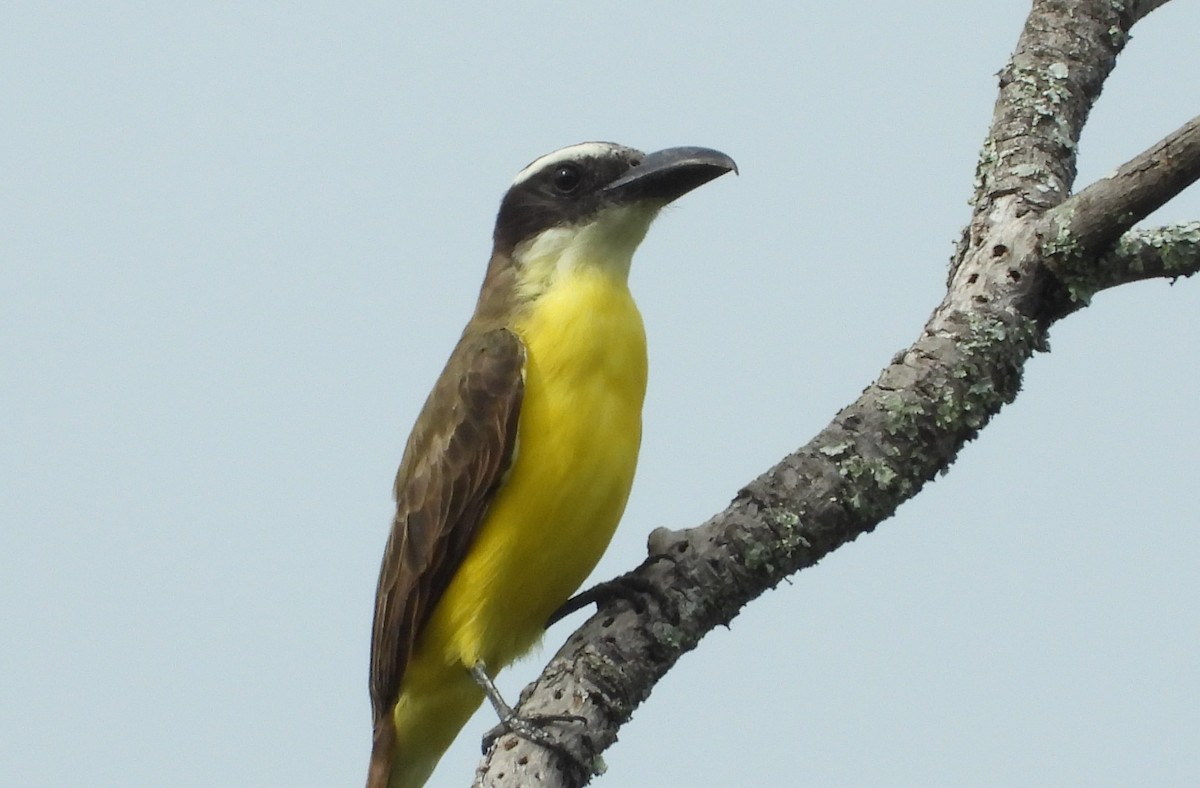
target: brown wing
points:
(455, 458)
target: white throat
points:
(605, 245)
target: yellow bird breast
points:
(579, 431)
(577, 444)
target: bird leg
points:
(630, 587)
(480, 674)
(525, 727)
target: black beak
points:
(667, 175)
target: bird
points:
(521, 460)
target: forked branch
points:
(1008, 284)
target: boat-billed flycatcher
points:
(520, 463)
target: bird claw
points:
(529, 728)
(632, 588)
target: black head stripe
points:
(563, 188)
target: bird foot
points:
(528, 728)
(632, 588)
(531, 729)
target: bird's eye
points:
(566, 179)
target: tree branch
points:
(1169, 252)
(903, 430)
(1065, 52)
(1090, 221)
(878, 452)
(1146, 6)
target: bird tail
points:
(383, 747)
(412, 735)
(408, 744)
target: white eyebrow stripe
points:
(569, 153)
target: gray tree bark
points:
(1032, 254)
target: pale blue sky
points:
(238, 241)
